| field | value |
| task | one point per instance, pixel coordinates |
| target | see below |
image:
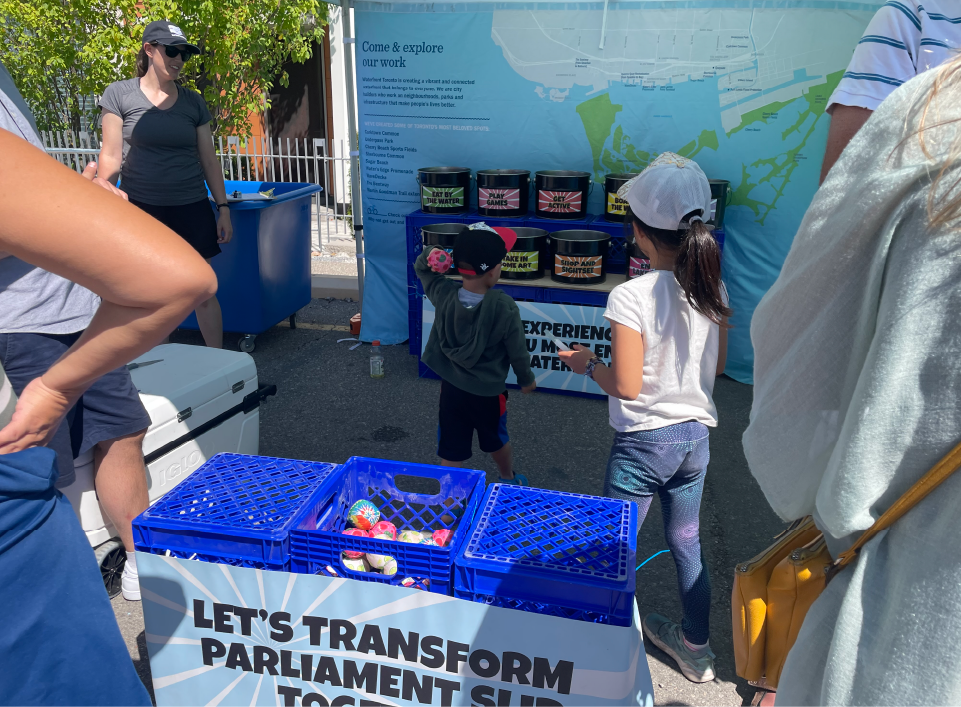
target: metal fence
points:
(322, 162)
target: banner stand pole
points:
(356, 206)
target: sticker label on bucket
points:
(616, 205)
(498, 198)
(638, 266)
(559, 202)
(578, 266)
(521, 261)
(442, 196)
(713, 210)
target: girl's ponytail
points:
(697, 262)
(697, 267)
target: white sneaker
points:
(130, 580)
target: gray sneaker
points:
(697, 666)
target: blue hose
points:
(650, 558)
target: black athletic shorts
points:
(195, 223)
(461, 413)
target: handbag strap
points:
(925, 485)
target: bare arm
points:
(845, 123)
(214, 174)
(624, 377)
(148, 277)
(721, 347)
(111, 150)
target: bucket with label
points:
(526, 260)
(503, 192)
(562, 194)
(442, 235)
(720, 197)
(579, 257)
(615, 208)
(637, 263)
(444, 190)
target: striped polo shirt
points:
(902, 40)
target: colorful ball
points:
(429, 541)
(384, 526)
(363, 515)
(439, 260)
(442, 536)
(390, 566)
(380, 561)
(382, 536)
(359, 564)
(416, 584)
(411, 536)
(352, 554)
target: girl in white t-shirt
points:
(668, 342)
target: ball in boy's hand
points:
(359, 533)
(442, 536)
(411, 536)
(363, 515)
(384, 527)
(439, 260)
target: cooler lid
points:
(189, 377)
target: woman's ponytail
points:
(143, 63)
(697, 262)
(697, 267)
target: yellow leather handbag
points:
(773, 591)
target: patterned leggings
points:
(672, 462)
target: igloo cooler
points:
(201, 402)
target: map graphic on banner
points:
(739, 87)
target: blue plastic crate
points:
(235, 509)
(561, 554)
(617, 255)
(317, 540)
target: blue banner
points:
(221, 635)
(740, 87)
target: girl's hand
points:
(577, 359)
(225, 230)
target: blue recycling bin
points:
(264, 272)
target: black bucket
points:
(615, 209)
(503, 192)
(442, 235)
(527, 259)
(444, 190)
(562, 194)
(579, 257)
(720, 196)
(637, 263)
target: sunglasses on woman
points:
(173, 51)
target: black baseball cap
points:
(167, 33)
(482, 248)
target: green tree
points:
(63, 52)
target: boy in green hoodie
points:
(477, 335)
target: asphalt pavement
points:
(328, 408)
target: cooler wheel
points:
(246, 343)
(111, 557)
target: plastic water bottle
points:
(376, 362)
